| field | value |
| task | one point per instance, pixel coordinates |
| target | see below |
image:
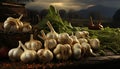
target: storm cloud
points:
(59, 4)
(72, 4)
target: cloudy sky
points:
(72, 4)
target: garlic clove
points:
(57, 49)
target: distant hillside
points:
(107, 12)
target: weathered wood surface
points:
(99, 62)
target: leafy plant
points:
(109, 38)
(58, 23)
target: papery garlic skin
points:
(45, 55)
(50, 44)
(82, 34)
(86, 49)
(27, 55)
(94, 43)
(81, 40)
(15, 53)
(33, 44)
(76, 49)
(64, 38)
(75, 40)
(13, 24)
(63, 52)
(52, 34)
(86, 33)
(10, 25)
(26, 27)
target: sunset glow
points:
(57, 4)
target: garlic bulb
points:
(64, 38)
(44, 55)
(74, 38)
(81, 40)
(28, 55)
(49, 43)
(10, 25)
(26, 27)
(15, 53)
(86, 33)
(82, 34)
(76, 49)
(86, 49)
(53, 34)
(33, 44)
(63, 51)
(94, 43)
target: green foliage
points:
(109, 38)
(58, 24)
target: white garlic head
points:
(52, 34)
(64, 38)
(50, 44)
(76, 49)
(63, 52)
(81, 40)
(10, 25)
(26, 27)
(82, 34)
(44, 55)
(33, 44)
(75, 40)
(15, 53)
(28, 55)
(94, 43)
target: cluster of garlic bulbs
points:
(65, 46)
(15, 25)
(30, 51)
(61, 46)
(25, 52)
